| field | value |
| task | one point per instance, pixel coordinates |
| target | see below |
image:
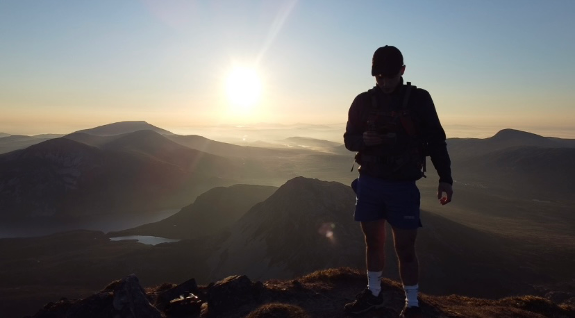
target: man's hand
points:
(447, 189)
(371, 138)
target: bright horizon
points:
(488, 65)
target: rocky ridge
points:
(319, 294)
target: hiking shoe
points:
(411, 312)
(364, 301)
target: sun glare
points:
(243, 88)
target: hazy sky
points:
(68, 65)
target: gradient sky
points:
(68, 65)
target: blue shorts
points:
(395, 201)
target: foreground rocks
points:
(320, 294)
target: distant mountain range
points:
(118, 167)
(136, 171)
(83, 174)
(504, 139)
(10, 143)
(518, 161)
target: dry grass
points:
(278, 310)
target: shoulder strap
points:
(406, 115)
(406, 96)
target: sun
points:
(243, 87)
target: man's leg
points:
(404, 241)
(374, 232)
(371, 298)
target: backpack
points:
(406, 121)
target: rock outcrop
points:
(319, 294)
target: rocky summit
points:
(319, 294)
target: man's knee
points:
(375, 241)
(404, 241)
(374, 233)
(406, 254)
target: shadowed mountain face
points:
(307, 225)
(303, 225)
(210, 214)
(64, 177)
(123, 128)
(546, 173)
(504, 139)
(231, 150)
(518, 163)
(10, 143)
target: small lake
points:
(144, 239)
(102, 222)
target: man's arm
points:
(437, 147)
(434, 136)
(353, 136)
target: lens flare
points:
(326, 229)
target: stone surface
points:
(232, 293)
(184, 289)
(130, 300)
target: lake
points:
(104, 222)
(144, 239)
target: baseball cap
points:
(387, 61)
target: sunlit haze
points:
(188, 66)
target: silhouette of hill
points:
(506, 138)
(92, 140)
(123, 127)
(231, 150)
(10, 143)
(64, 177)
(544, 173)
(516, 162)
(312, 144)
(279, 236)
(211, 213)
(318, 294)
(307, 225)
(158, 147)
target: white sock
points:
(411, 295)
(374, 282)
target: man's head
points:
(387, 67)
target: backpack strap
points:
(406, 119)
(406, 96)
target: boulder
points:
(231, 293)
(130, 300)
(184, 290)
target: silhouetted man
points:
(392, 127)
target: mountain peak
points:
(302, 189)
(509, 133)
(123, 127)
